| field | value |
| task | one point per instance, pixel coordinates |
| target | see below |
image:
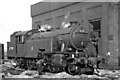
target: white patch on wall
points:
(108, 54)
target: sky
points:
(15, 15)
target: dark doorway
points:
(96, 26)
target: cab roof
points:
(21, 33)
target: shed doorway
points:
(97, 29)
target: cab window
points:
(20, 39)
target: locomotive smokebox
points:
(75, 37)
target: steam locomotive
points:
(69, 49)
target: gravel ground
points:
(10, 72)
(34, 74)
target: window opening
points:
(96, 26)
(20, 39)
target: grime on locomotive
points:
(69, 49)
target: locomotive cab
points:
(17, 46)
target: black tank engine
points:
(69, 49)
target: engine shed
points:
(104, 16)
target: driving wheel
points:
(73, 69)
(54, 69)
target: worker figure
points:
(40, 66)
(91, 51)
(40, 63)
(95, 39)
